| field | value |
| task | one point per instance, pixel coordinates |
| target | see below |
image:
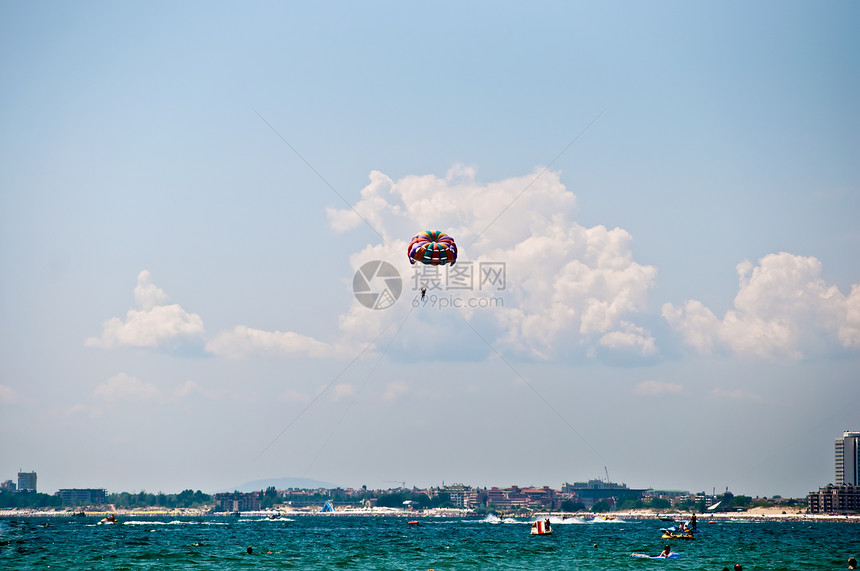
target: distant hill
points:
(280, 484)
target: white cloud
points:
(782, 309)
(631, 338)
(146, 294)
(566, 288)
(8, 395)
(125, 387)
(152, 325)
(155, 325)
(849, 325)
(244, 341)
(566, 285)
(654, 388)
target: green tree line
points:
(28, 500)
(184, 499)
(143, 499)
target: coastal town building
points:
(8, 486)
(514, 498)
(26, 481)
(461, 496)
(593, 491)
(237, 502)
(82, 496)
(848, 459)
(506, 498)
(671, 496)
(834, 499)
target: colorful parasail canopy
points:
(433, 248)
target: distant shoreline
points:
(755, 514)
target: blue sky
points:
(682, 296)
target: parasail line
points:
(366, 379)
(529, 385)
(535, 179)
(321, 177)
(321, 393)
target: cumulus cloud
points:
(125, 387)
(783, 309)
(553, 286)
(566, 287)
(655, 388)
(243, 342)
(155, 324)
(152, 325)
(631, 338)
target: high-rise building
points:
(26, 481)
(848, 459)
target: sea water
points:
(360, 543)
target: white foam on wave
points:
(555, 520)
(160, 522)
(494, 519)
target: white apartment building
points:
(848, 459)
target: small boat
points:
(109, 519)
(541, 527)
(413, 522)
(678, 536)
(80, 513)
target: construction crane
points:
(402, 484)
(605, 469)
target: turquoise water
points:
(319, 542)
